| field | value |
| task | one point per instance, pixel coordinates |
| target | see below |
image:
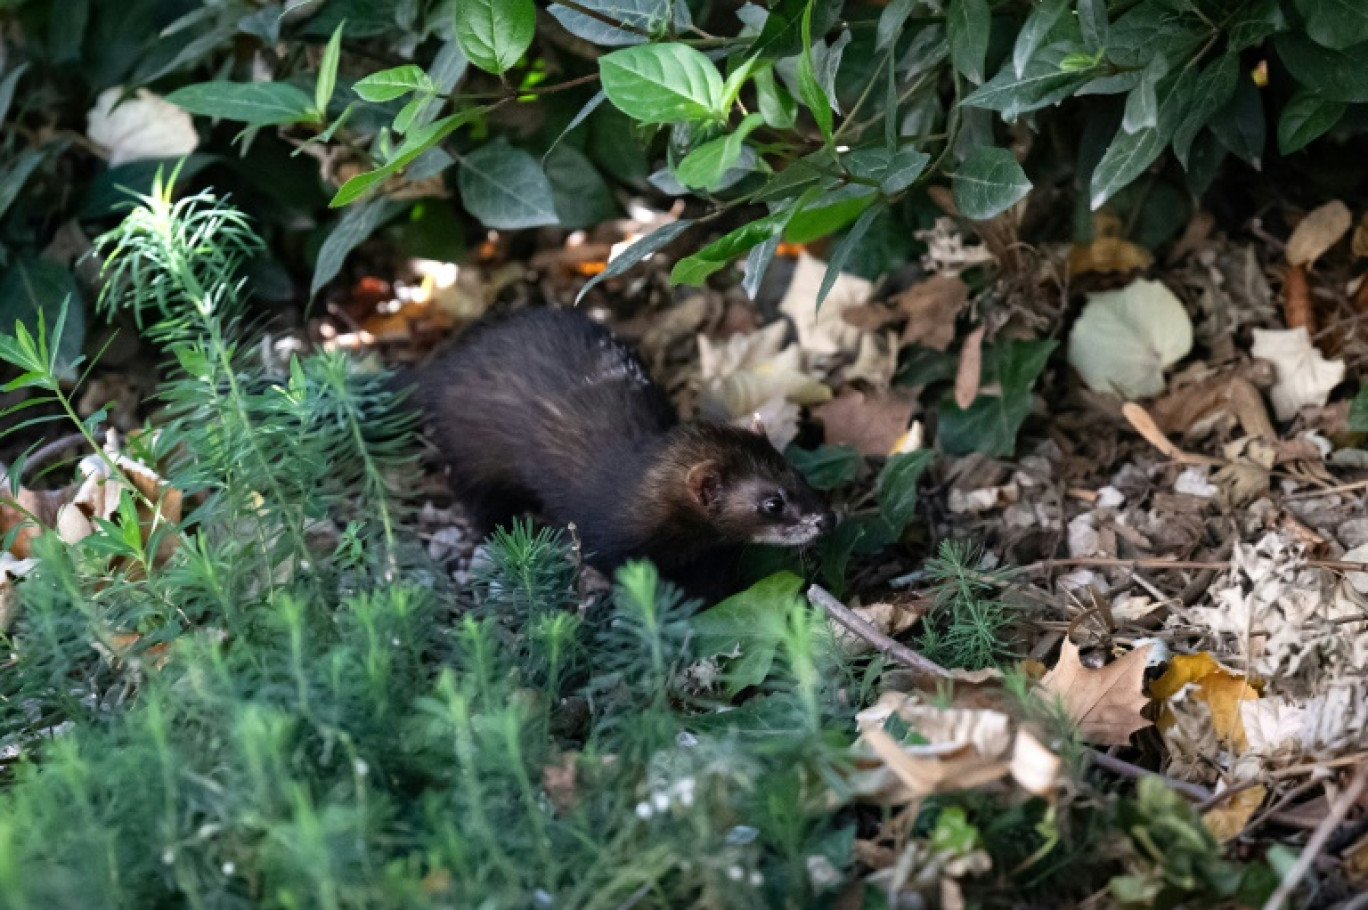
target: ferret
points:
(547, 412)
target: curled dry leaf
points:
(1124, 340)
(1217, 688)
(1109, 251)
(873, 424)
(1297, 310)
(1105, 703)
(142, 127)
(1317, 232)
(823, 332)
(932, 307)
(970, 369)
(1304, 376)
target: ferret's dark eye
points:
(773, 506)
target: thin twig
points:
(1126, 769)
(882, 643)
(1046, 565)
(1338, 809)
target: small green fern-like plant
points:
(968, 626)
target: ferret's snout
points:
(825, 522)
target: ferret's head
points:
(746, 490)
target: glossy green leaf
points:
(891, 22)
(495, 33)
(896, 487)
(842, 251)
(13, 178)
(826, 467)
(396, 82)
(1046, 80)
(968, 23)
(1033, 32)
(253, 103)
(1092, 20)
(776, 104)
(745, 623)
(1304, 118)
(653, 242)
(1142, 104)
(653, 17)
(809, 88)
(582, 198)
(1336, 74)
(662, 83)
(989, 182)
(7, 86)
(1241, 125)
(1336, 24)
(357, 224)
(505, 188)
(30, 287)
(327, 71)
(415, 144)
(1217, 83)
(704, 167)
(829, 212)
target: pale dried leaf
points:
(823, 332)
(142, 127)
(970, 369)
(1304, 376)
(872, 423)
(1317, 232)
(1125, 339)
(877, 360)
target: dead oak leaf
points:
(872, 423)
(931, 308)
(1105, 703)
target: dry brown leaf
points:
(29, 506)
(1108, 251)
(970, 369)
(1317, 232)
(558, 781)
(931, 309)
(1105, 703)
(1220, 689)
(1226, 821)
(1359, 242)
(1297, 311)
(871, 423)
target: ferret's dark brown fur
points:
(546, 412)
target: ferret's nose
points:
(825, 522)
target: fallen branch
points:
(1046, 565)
(1338, 809)
(885, 645)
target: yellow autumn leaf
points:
(1220, 689)
(1226, 821)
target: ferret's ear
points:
(704, 481)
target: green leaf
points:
(12, 180)
(1358, 408)
(415, 144)
(1218, 85)
(1336, 24)
(403, 120)
(968, 23)
(896, 487)
(505, 188)
(849, 243)
(40, 287)
(1092, 19)
(990, 424)
(757, 263)
(650, 16)
(731, 87)
(695, 269)
(1335, 74)
(704, 167)
(327, 71)
(745, 622)
(826, 467)
(891, 22)
(253, 103)
(1038, 24)
(989, 182)
(830, 212)
(1306, 117)
(1241, 125)
(776, 104)
(905, 167)
(396, 82)
(1045, 81)
(782, 34)
(582, 198)
(356, 225)
(7, 86)
(662, 83)
(653, 242)
(495, 33)
(808, 87)
(1130, 153)
(1142, 104)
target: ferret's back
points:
(538, 401)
